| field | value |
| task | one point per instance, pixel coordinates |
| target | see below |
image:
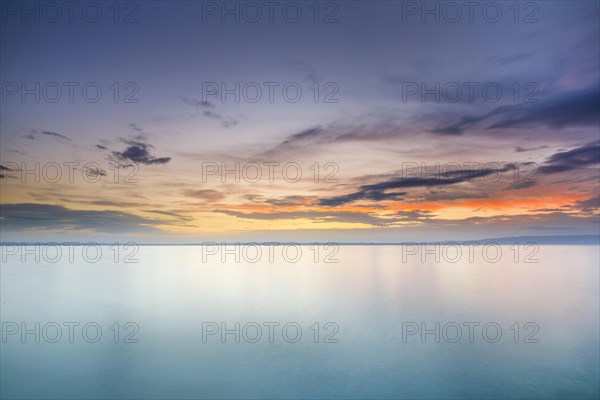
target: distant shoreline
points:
(588, 240)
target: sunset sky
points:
(528, 157)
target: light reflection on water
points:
(368, 294)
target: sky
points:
(351, 121)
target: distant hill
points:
(557, 240)
(539, 240)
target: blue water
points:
(369, 298)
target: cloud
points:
(443, 195)
(135, 127)
(204, 194)
(309, 71)
(575, 108)
(377, 191)
(413, 215)
(137, 151)
(5, 168)
(34, 132)
(302, 140)
(589, 205)
(94, 172)
(25, 216)
(315, 216)
(196, 103)
(285, 201)
(576, 158)
(109, 203)
(520, 149)
(363, 194)
(522, 185)
(179, 217)
(54, 134)
(506, 60)
(304, 135)
(225, 121)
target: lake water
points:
(348, 329)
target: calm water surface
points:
(172, 299)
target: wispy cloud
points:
(35, 133)
(204, 194)
(25, 216)
(378, 191)
(576, 108)
(580, 157)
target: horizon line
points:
(550, 240)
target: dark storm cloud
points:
(137, 151)
(378, 192)
(574, 159)
(576, 108)
(50, 217)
